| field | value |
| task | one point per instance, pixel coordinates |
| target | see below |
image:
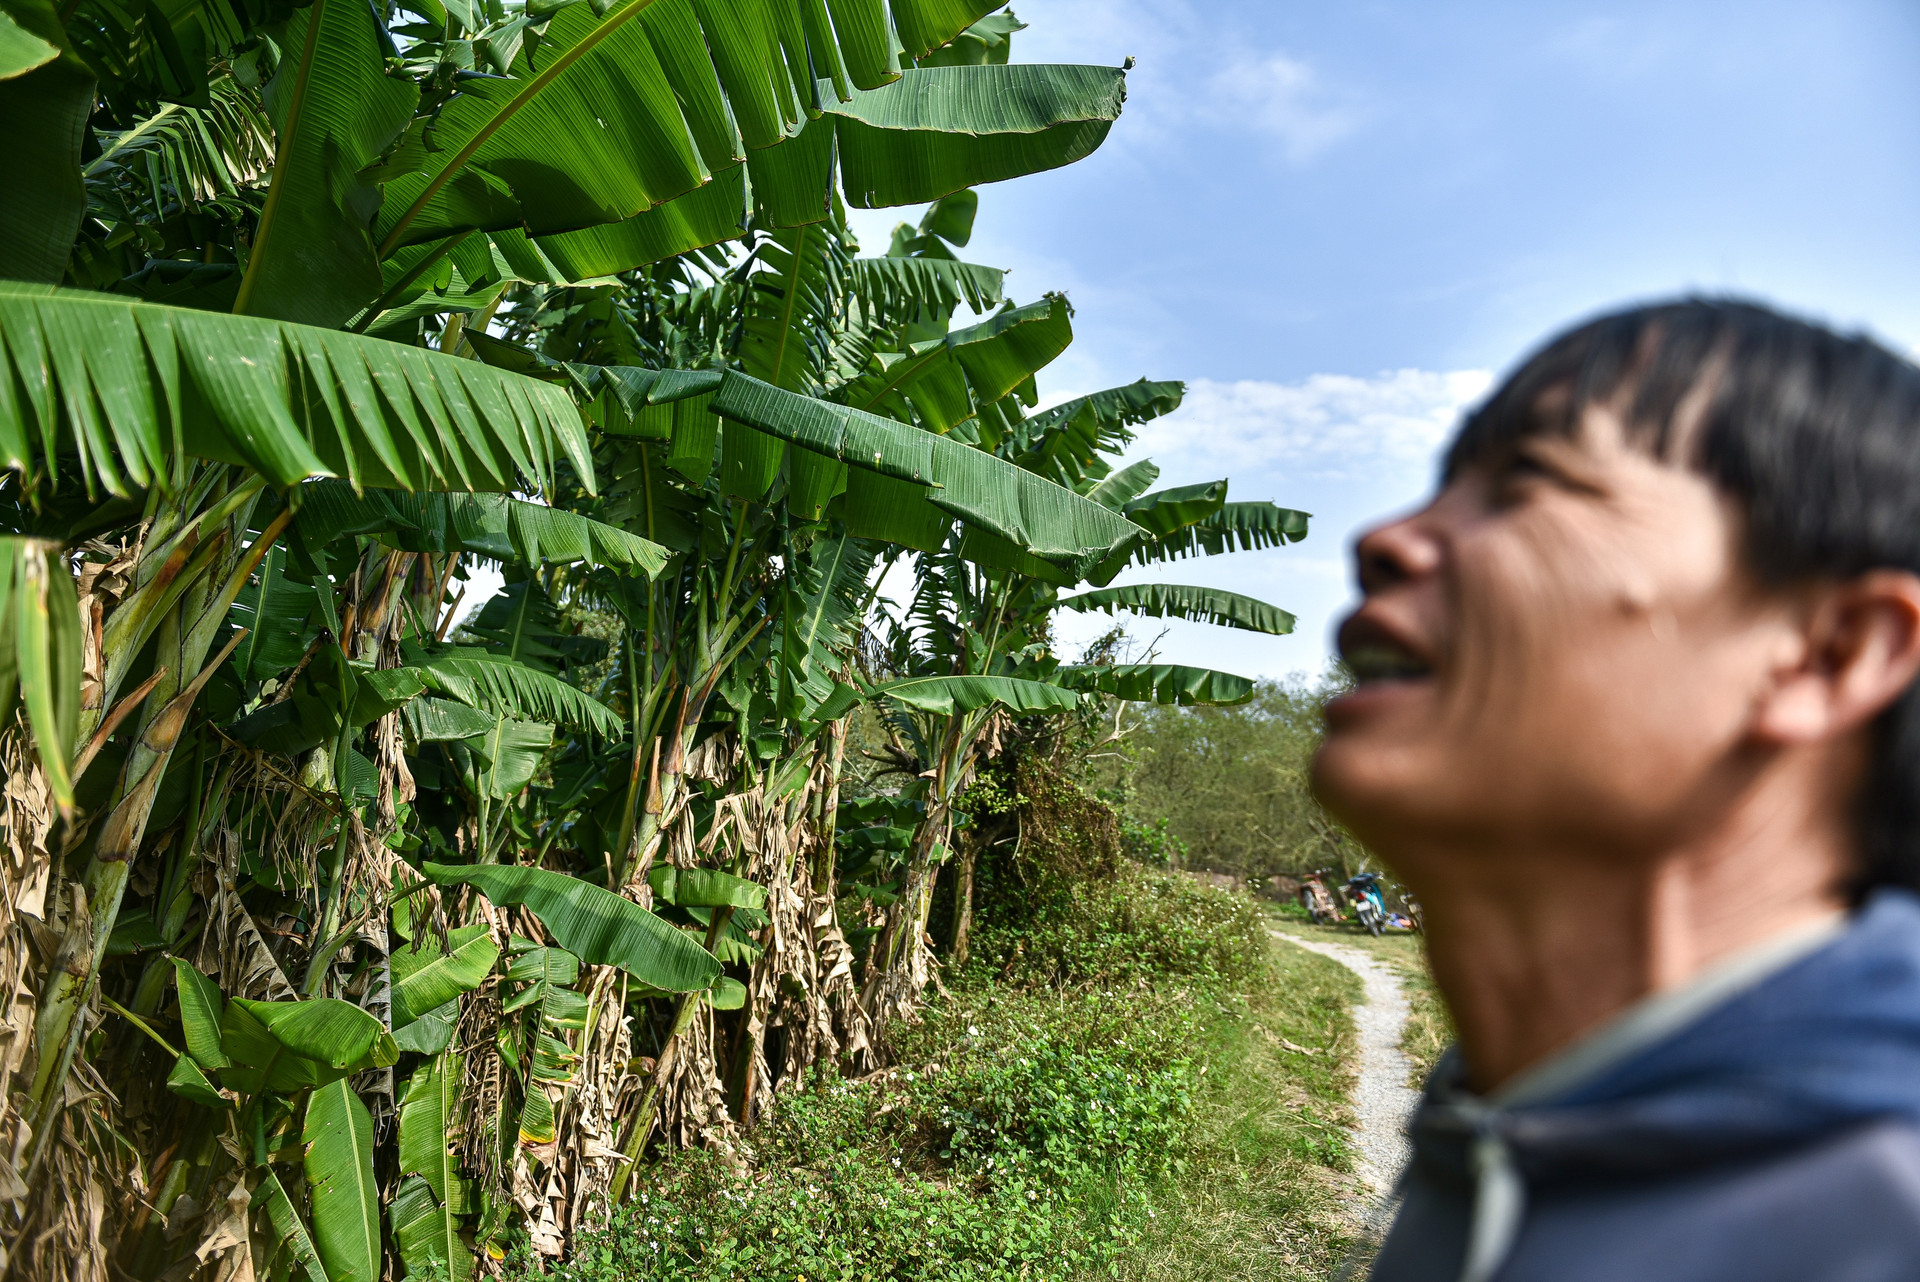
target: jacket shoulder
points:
(1843, 1207)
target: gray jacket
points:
(1764, 1126)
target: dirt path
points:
(1381, 1097)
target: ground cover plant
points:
(1181, 1119)
(345, 942)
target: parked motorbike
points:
(1317, 899)
(1369, 904)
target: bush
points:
(1137, 926)
(1009, 1143)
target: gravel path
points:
(1381, 1098)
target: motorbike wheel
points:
(1375, 925)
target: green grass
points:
(1262, 1195)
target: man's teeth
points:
(1384, 663)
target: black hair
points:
(1815, 434)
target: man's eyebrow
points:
(1560, 458)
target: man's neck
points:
(1529, 963)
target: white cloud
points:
(1330, 425)
(1284, 97)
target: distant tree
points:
(1231, 783)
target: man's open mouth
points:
(1374, 654)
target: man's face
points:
(1562, 649)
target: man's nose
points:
(1396, 553)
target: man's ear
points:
(1861, 652)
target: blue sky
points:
(1337, 222)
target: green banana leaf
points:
(424, 978)
(426, 1212)
(338, 1138)
(200, 1011)
(940, 129)
(286, 1046)
(548, 974)
(1166, 683)
(600, 927)
(504, 687)
(705, 888)
(189, 1082)
(20, 50)
(40, 654)
(1126, 485)
(1042, 518)
(494, 525)
(443, 720)
(1162, 512)
(1236, 527)
(510, 752)
(278, 614)
(944, 380)
(948, 696)
(44, 105)
(287, 1227)
(430, 1033)
(136, 385)
(895, 288)
(1181, 601)
(334, 110)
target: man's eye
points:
(1518, 474)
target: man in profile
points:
(1636, 718)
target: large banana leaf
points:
(200, 1011)
(705, 216)
(338, 1138)
(496, 684)
(1159, 683)
(596, 924)
(704, 888)
(948, 696)
(1045, 519)
(824, 592)
(334, 111)
(1067, 441)
(947, 379)
(133, 387)
(548, 974)
(510, 752)
(1182, 601)
(1164, 511)
(278, 614)
(425, 978)
(1114, 409)
(894, 288)
(324, 1029)
(1126, 485)
(1236, 527)
(426, 1212)
(287, 1227)
(616, 110)
(939, 129)
(20, 50)
(44, 104)
(494, 525)
(40, 654)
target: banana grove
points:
(345, 942)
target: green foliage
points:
(1232, 783)
(1136, 926)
